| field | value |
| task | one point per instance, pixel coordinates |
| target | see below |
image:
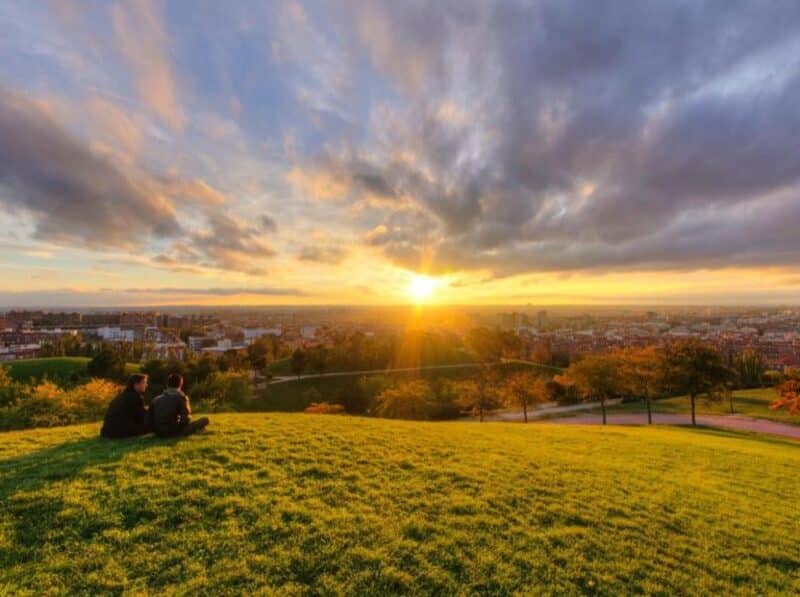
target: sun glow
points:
(420, 288)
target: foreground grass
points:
(53, 368)
(300, 504)
(747, 403)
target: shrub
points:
(220, 391)
(47, 405)
(324, 408)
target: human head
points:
(138, 382)
(175, 381)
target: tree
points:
(694, 368)
(406, 400)
(788, 397)
(641, 374)
(597, 377)
(298, 362)
(749, 368)
(318, 359)
(524, 389)
(479, 395)
(107, 364)
(485, 344)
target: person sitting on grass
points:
(171, 414)
(127, 414)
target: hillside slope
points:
(312, 504)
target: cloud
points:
(330, 255)
(545, 136)
(256, 291)
(225, 243)
(144, 44)
(74, 195)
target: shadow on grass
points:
(739, 434)
(33, 497)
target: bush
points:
(223, 391)
(47, 405)
(324, 408)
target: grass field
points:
(54, 368)
(748, 403)
(299, 504)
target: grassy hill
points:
(54, 368)
(301, 504)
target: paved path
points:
(724, 421)
(544, 411)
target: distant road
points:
(289, 378)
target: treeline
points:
(686, 367)
(357, 352)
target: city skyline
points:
(346, 153)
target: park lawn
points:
(299, 504)
(748, 403)
(54, 368)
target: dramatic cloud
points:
(544, 135)
(225, 243)
(330, 255)
(74, 194)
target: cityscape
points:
(399, 298)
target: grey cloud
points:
(327, 254)
(73, 194)
(268, 224)
(617, 136)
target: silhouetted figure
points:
(171, 414)
(127, 414)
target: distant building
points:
(541, 319)
(115, 334)
(308, 332)
(251, 334)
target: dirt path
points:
(722, 421)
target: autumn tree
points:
(788, 397)
(479, 395)
(641, 370)
(406, 400)
(597, 377)
(524, 389)
(694, 368)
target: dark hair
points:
(135, 379)
(175, 381)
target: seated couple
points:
(170, 415)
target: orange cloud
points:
(143, 42)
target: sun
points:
(420, 288)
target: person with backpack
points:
(171, 413)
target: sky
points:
(333, 152)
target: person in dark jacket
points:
(127, 414)
(171, 414)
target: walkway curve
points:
(735, 422)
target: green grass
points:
(749, 403)
(54, 368)
(299, 504)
